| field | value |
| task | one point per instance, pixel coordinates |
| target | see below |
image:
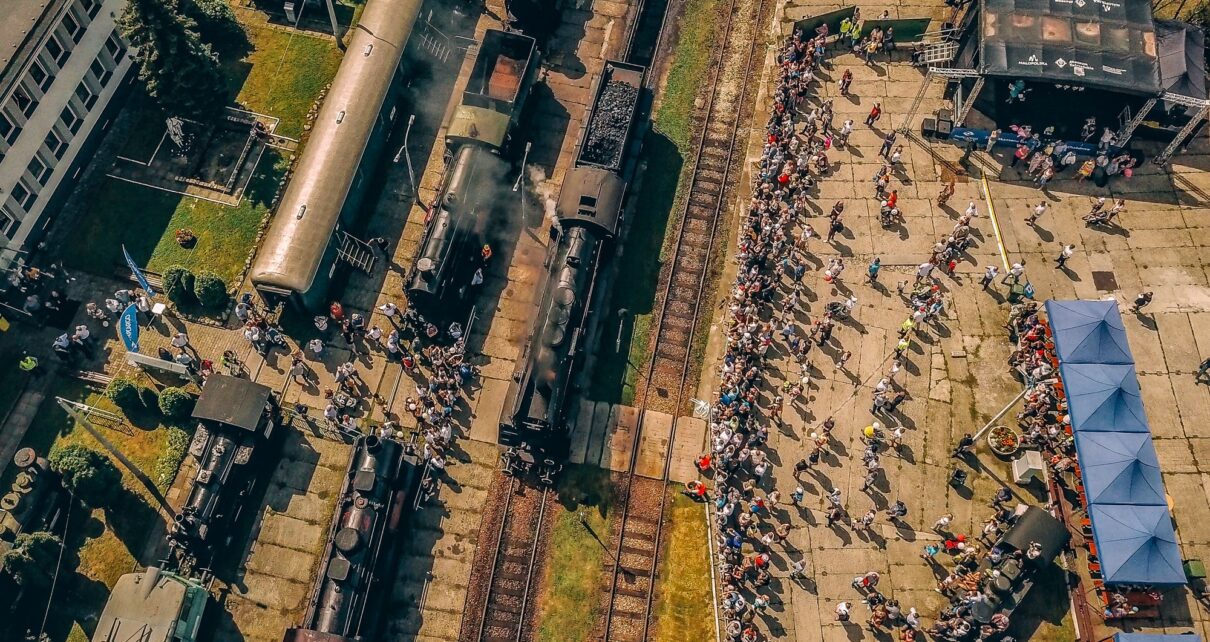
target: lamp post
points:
(519, 185)
(403, 151)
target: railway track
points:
(636, 556)
(503, 614)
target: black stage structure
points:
(1054, 63)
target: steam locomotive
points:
(451, 249)
(343, 605)
(589, 211)
(236, 421)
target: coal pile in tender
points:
(606, 138)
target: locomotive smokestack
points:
(373, 443)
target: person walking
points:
(875, 114)
(991, 141)
(29, 363)
(887, 143)
(872, 271)
(989, 275)
(943, 522)
(1141, 301)
(1038, 211)
(1064, 254)
(964, 446)
(842, 611)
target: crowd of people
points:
(766, 318)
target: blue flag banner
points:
(128, 328)
(138, 274)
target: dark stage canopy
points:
(1099, 43)
(1036, 525)
(1182, 55)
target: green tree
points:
(179, 70)
(86, 473)
(175, 403)
(215, 20)
(210, 290)
(178, 284)
(32, 559)
(123, 392)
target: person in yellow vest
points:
(846, 26)
(28, 363)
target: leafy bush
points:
(149, 397)
(32, 558)
(174, 453)
(175, 403)
(86, 473)
(178, 284)
(210, 290)
(124, 393)
(215, 20)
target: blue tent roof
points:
(1103, 398)
(1155, 637)
(1120, 468)
(1136, 545)
(1088, 332)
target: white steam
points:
(545, 191)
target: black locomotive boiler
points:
(345, 599)
(589, 211)
(236, 420)
(476, 176)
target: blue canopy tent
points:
(1155, 637)
(1103, 398)
(1120, 468)
(1088, 332)
(1136, 545)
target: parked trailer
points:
(300, 253)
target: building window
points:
(74, 29)
(56, 50)
(8, 131)
(115, 46)
(39, 170)
(91, 7)
(100, 72)
(39, 76)
(23, 195)
(8, 222)
(85, 95)
(70, 119)
(55, 144)
(25, 102)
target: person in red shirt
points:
(875, 114)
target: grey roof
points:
(232, 401)
(24, 24)
(314, 198)
(142, 606)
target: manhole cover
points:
(1105, 281)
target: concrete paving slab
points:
(690, 443)
(621, 439)
(654, 433)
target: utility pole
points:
(335, 25)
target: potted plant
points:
(1003, 441)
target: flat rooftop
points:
(20, 19)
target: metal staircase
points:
(356, 252)
(938, 53)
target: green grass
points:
(570, 601)
(102, 544)
(275, 73)
(649, 240)
(683, 600)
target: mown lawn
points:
(658, 203)
(570, 601)
(103, 544)
(276, 73)
(683, 606)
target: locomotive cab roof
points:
(233, 402)
(592, 196)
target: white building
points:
(61, 61)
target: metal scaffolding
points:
(947, 74)
(1123, 136)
